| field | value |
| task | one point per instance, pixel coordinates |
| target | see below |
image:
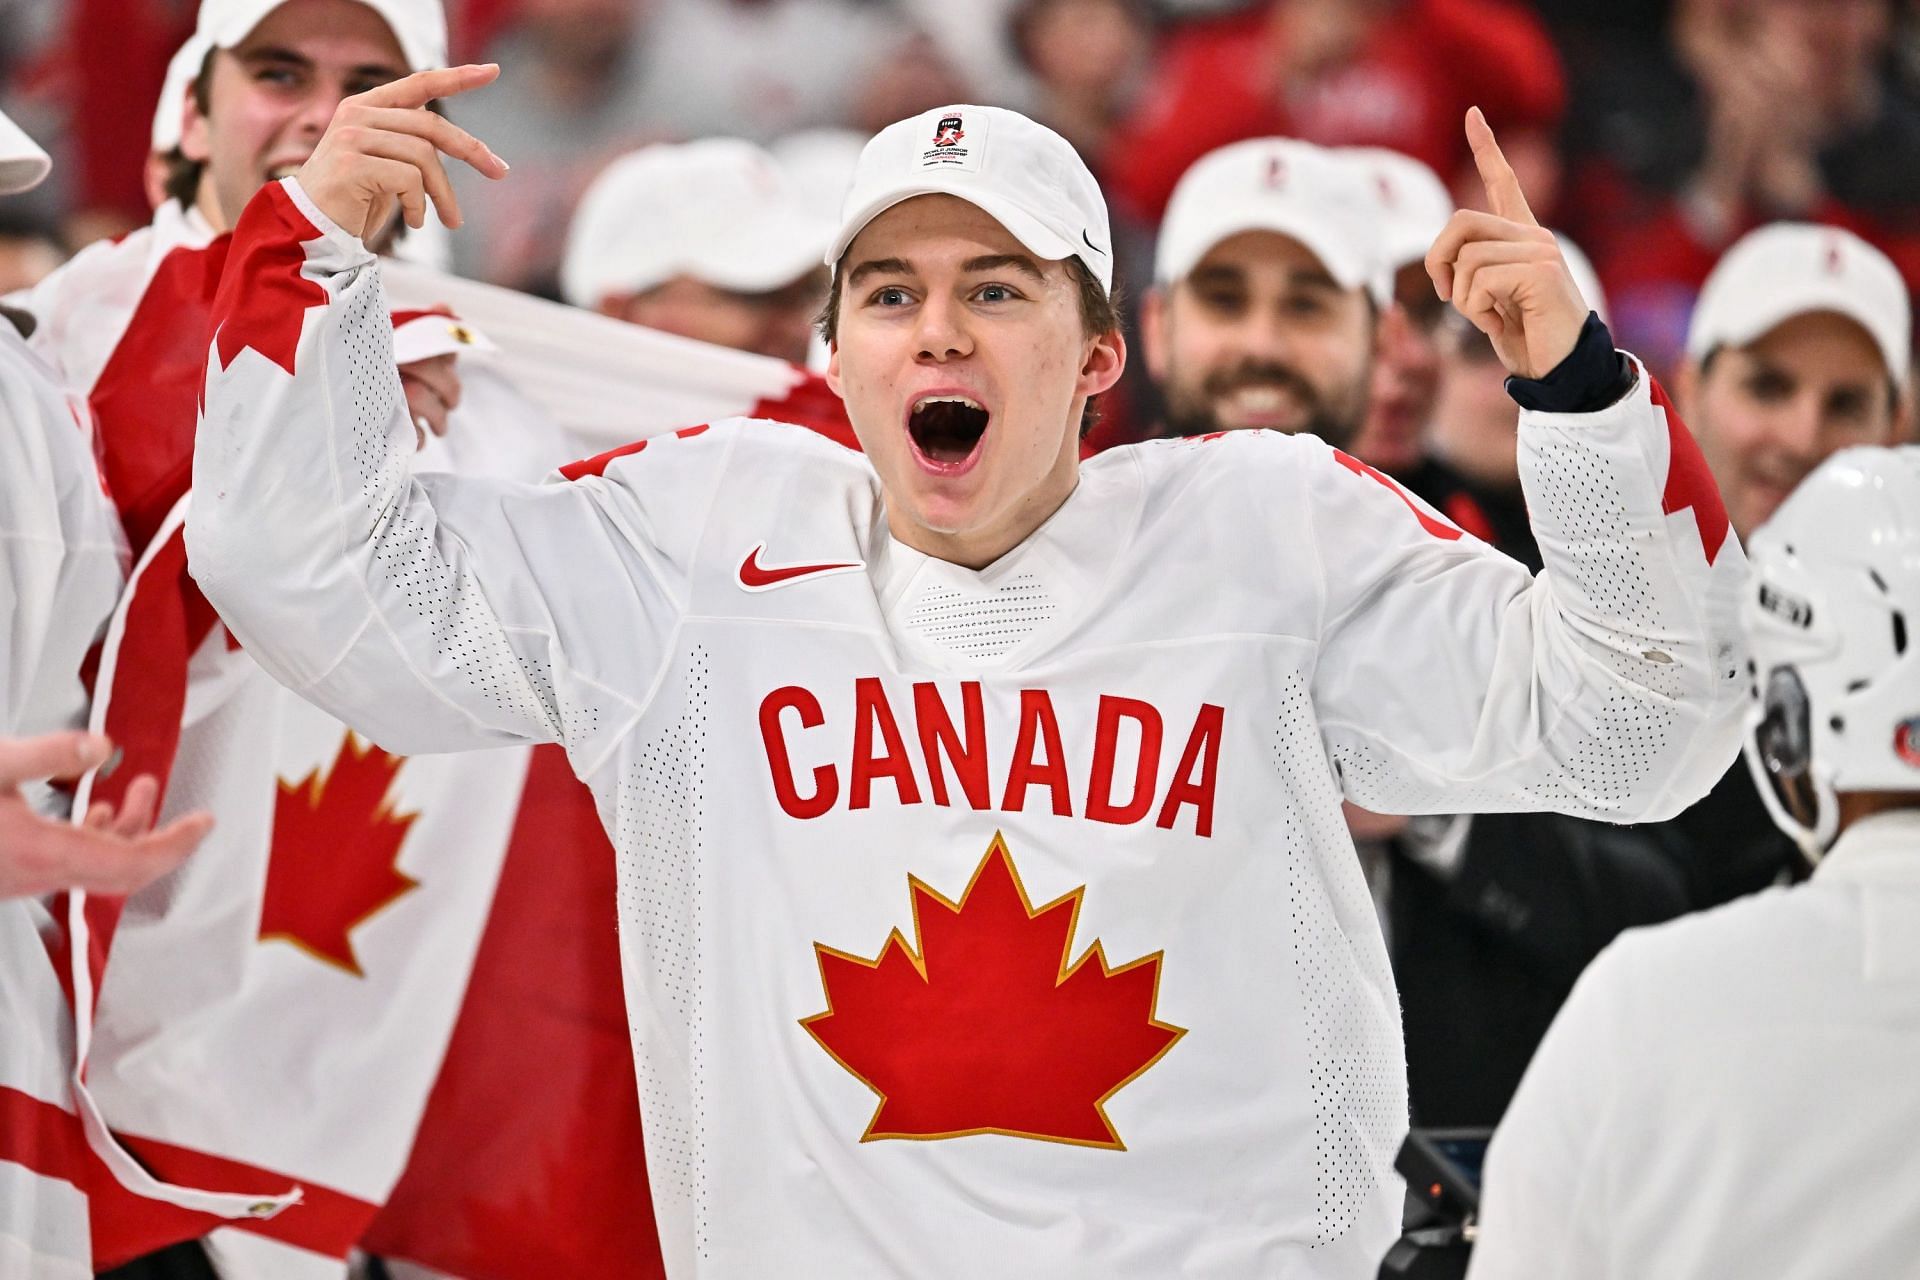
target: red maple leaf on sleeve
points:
(263, 298)
(990, 1029)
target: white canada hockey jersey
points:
(61, 563)
(977, 923)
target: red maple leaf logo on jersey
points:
(989, 1029)
(336, 839)
(264, 297)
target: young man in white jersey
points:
(987, 907)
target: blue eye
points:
(995, 293)
(890, 297)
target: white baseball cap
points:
(720, 210)
(182, 70)
(419, 26)
(1283, 185)
(1788, 269)
(1414, 204)
(22, 163)
(1029, 178)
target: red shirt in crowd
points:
(1408, 87)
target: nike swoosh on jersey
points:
(755, 576)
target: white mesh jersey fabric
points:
(986, 624)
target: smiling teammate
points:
(986, 904)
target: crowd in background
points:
(1653, 133)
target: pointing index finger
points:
(1496, 175)
(422, 87)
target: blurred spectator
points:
(1414, 207)
(1268, 283)
(760, 68)
(1392, 73)
(1086, 58)
(1755, 110)
(705, 239)
(30, 248)
(566, 102)
(820, 163)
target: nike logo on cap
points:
(1090, 244)
(755, 576)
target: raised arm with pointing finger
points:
(986, 904)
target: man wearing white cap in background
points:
(1732, 1095)
(705, 239)
(1269, 280)
(62, 560)
(1413, 206)
(985, 902)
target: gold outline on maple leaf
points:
(313, 785)
(1095, 951)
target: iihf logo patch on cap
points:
(956, 141)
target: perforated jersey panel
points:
(1355, 1053)
(658, 829)
(987, 624)
(1612, 753)
(465, 633)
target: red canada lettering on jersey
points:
(1690, 482)
(1438, 528)
(991, 1027)
(1126, 779)
(264, 297)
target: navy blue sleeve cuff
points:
(1593, 376)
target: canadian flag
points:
(381, 1006)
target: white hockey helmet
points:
(1833, 616)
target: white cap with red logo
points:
(1789, 269)
(1414, 204)
(22, 163)
(1029, 178)
(418, 26)
(720, 210)
(1292, 188)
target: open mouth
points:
(946, 430)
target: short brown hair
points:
(1099, 314)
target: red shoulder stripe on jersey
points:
(1438, 528)
(42, 1138)
(264, 298)
(598, 464)
(1690, 481)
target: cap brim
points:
(1774, 308)
(1022, 226)
(22, 163)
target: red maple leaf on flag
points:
(336, 839)
(989, 1029)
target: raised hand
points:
(109, 851)
(1503, 271)
(384, 145)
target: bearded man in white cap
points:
(985, 900)
(705, 239)
(1269, 281)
